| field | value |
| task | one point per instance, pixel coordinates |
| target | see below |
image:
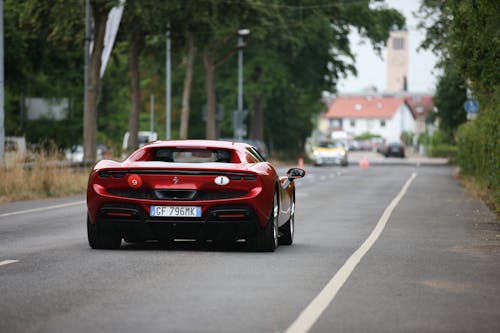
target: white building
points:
(384, 116)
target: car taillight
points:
(134, 181)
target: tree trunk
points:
(257, 120)
(186, 94)
(100, 16)
(135, 92)
(209, 63)
(257, 117)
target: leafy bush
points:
(367, 136)
(407, 138)
(479, 149)
(442, 150)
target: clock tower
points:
(397, 61)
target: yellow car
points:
(330, 152)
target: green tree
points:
(465, 34)
(100, 11)
(38, 63)
(449, 99)
(137, 25)
(296, 49)
(301, 53)
(223, 20)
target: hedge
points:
(442, 150)
(479, 148)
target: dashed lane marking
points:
(7, 262)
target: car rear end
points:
(158, 201)
(395, 149)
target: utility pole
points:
(168, 93)
(239, 129)
(2, 96)
(151, 113)
(86, 67)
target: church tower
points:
(397, 62)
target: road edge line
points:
(318, 305)
(41, 209)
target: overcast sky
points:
(372, 68)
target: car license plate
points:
(175, 211)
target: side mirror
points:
(295, 173)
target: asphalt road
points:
(389, 248)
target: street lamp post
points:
(242, 33)
(2, 88)
(168, 93)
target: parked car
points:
(395, 149)
(330, 152)
(191, 189)
(75, 153)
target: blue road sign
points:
(471, 106)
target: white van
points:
(143, 137)
(15, 147)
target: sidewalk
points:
(375, 158)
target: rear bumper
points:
(220, 223)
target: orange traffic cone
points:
(363, 162)
(301, 162)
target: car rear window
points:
(191, 155)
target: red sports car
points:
(191, 189)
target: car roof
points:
(199, 144)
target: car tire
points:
(288, 228)
(267, 239)
(101, 239)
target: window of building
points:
(382, 123)
(335, 123)
(353, 123)
(398, 43)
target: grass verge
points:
(482, 192)
(43, 178)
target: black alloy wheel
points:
(101, 239)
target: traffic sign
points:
(471, 106)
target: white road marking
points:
(6, 262)
(41, 209)
(313, 311)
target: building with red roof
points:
(387, 116)
(421, 106)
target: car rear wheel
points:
(101, 239)
(267, 240)
(288, 229)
